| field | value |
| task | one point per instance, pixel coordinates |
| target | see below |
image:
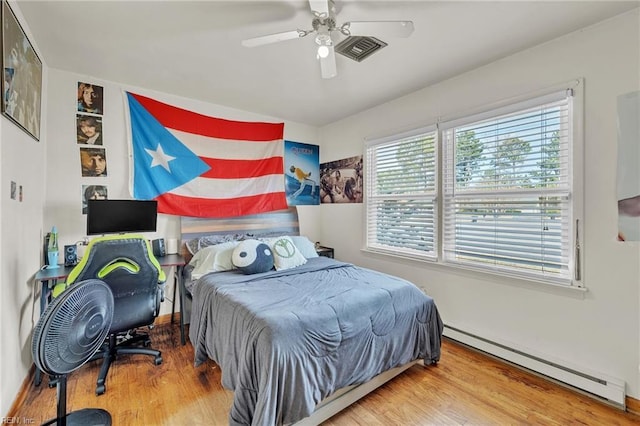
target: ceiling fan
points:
(326, 29)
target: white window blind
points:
(401, 176)
(507, 189)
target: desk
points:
(48, 277)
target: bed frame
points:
(285, 222)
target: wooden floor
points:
(464, 388)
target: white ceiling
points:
(192, 48)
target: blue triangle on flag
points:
(161, 162)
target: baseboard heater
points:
(610, 390)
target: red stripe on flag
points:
(239, 169)
(191, 122)
(207, 207)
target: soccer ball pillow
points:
(252, 257)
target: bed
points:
(298, 344)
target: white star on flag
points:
(160, 158)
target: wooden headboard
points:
(280, 222)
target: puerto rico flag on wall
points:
(201, 166)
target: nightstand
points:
(324, 251)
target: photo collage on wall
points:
(341, 181)
(90, 139)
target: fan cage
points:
(73, 327)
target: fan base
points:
(85, 417)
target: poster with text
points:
(629, 167)
(301, 173)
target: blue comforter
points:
(285, 340)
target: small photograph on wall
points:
(93, 162)
(88, 129)
(92, 192)
(341, 181)
(628, 167)
(301, 173)
(90, 98)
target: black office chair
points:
(127, 264)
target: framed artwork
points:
(22, 82)
(341, 181)
(301, 173)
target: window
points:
(508, 189)
(506, 182)
(401, 193)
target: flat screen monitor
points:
(120, 216)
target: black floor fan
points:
(73, 328)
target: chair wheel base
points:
(85, 417)
(100, 389)
(158, 360)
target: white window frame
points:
(379, 243)
(573, 277)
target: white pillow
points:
(285, 253)
(214, 258)
(306, 247)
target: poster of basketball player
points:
(341, 181)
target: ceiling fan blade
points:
(377, 28)
(321, 7)
(328, 64)
(273, 38)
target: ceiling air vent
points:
(359, 48)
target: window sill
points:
(496, 278)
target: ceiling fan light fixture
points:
(358, 44)
(323, 51)
(323, 39)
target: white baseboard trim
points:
(611, 390)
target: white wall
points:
(49, 172)
(22, 160)
(598, 332)
(64, 191)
